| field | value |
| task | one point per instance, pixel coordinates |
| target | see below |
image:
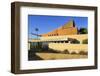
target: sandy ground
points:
(53, 56)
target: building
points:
(67, 29)
(62, 38)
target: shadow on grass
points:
(32, 53)
(32, 56)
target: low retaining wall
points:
(70, 47)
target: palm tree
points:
(36, 29)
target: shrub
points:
(83, 31)
(66, 51)
(52, 50)
(75, 41)
(83, 53)
(85, 41)
(73, 52)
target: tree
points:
(83, 31)
(36, 29)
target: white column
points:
(29, 45)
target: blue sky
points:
(48, 23)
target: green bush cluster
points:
(83, 53)
(75, 41)
(80, 53)
(85, 41)
(83, 31)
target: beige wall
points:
(63, 46)
(79, 37)
(70, 47)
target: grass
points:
(50, 54)
(54, 56)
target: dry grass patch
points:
(54, 56)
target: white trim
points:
(25, 64)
